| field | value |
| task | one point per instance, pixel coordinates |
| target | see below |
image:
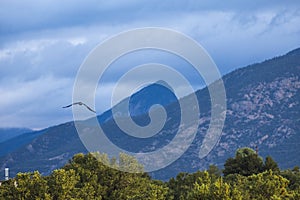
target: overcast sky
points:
(43, 43)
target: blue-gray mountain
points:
(14, 143)
(8, 133)
(263, 109)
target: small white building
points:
(6, 173)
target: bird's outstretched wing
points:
(76, 103)
(90, 109)
(80, 103)
(67, 106)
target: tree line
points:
(245, 176)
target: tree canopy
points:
(95, 176)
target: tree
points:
(92, 173)
(246, 162)
(91, 177)
(206, 188)
(293, 177)
(139, 188)
(220, 190)
(180, 187)
(214, 171)
(104, 180)
(129, 164)
(270, 164)
(8, 190)
(62, 184)
(266, 185)
(201, 189)
(29, 185)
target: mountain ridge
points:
(263, 109)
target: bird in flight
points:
(81, 104)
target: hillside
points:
(262, 110)
(12, 144)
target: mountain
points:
(12, 144)
(8, 133)
(141, 101)
(263, 110)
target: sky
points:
(43, 44)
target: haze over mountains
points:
(262, 110)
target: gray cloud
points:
(29, 15)
(35, 103)
(43, 43)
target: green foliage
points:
(103, 178)
(8, 190)
(214, 171)
(62, 184)
(246, 162)
(201, 188)
(129, 164)
(206, 188)
(244, 152)
(266, 185)
(25, 186)
(96, 177)
(181, 186)
(270, 164)
(293, 176)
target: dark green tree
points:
(183, 184)
(270, 164)
(246, 162)
(214, 172)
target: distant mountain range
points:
(8, 133)
(17, 139)
(263, 110)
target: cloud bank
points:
(43, 44)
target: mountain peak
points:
(140, 102)
(159, 92)
(165, 84)
(158, 83)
